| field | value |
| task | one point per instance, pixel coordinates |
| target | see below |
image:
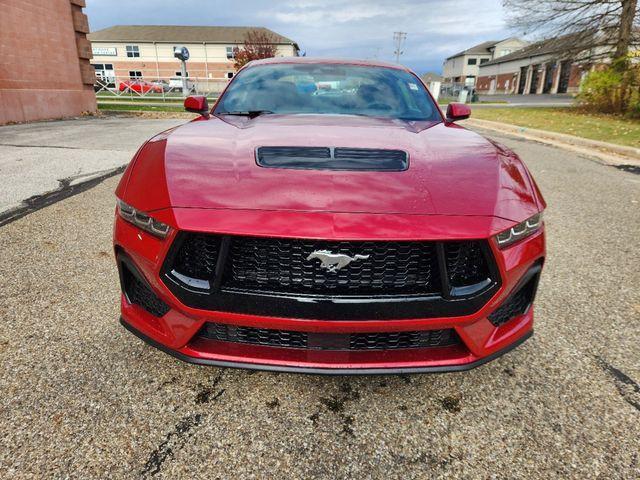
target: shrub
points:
(613, 89)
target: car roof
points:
(327, 61)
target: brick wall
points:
(44, 71)
(505, 83)
(483, 84)
(575, 77)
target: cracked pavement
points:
(83, 398)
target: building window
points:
(483, 61)
(472, 61)
(179, 74)
(133, 74)
(133, 51)
(505, 52)
(230, 53)
(229, 75)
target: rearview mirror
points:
(458, 111)
(197, 104)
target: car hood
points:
(212, 164)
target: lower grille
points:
(255, 336)
(514, 306)
(396, 340)
(329, 341)
(139, 294)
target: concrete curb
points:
(609, 153)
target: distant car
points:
(164, 84)
(175, 84)
(140, 86)
(327, 217)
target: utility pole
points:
(398, 40)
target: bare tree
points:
(592, 28)
(258, 44)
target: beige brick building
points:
(146, 51)
(44, 60)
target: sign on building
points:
(105, 51)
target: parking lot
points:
(83, 398)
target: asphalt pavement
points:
(41, 157)
(83, 398)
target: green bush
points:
(614, 89)
(599, 91)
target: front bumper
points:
(324, 370)
(177, 331)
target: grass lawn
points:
(606, 128)
(139, 108)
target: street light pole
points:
(182, 54)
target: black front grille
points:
(466, 263)
(282, 265)
(197, 256)
(300, 278)
(329, 341)
(139, 294)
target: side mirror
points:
(458, 111)
(197, 104)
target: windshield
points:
(328, 89)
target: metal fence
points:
(451, 91)
(162, 88)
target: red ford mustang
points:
(326, 217)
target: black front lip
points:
(326, 371)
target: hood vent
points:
(325, 158)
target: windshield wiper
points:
(247, 113)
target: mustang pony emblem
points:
(334, 261)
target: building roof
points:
(476, 49)
(431, 77)
(180, 34)
(544, 47)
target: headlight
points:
(142, 220)
(522, 230)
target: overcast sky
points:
(341, 28)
